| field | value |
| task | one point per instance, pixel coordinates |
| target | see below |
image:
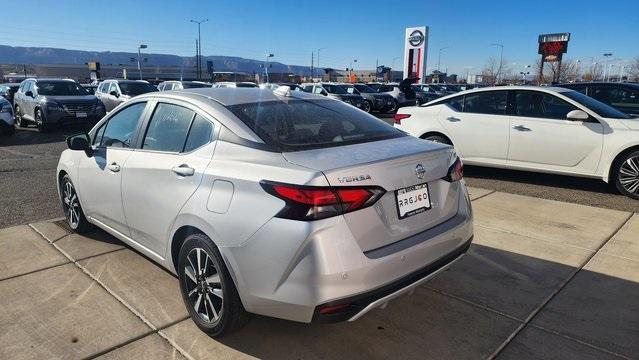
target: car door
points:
(100, 176)
(480, 130)
(101, 93)
(162, 175)
(28, 102)
(541, 136)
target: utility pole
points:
(319, 70)
(439, 58)
(197, 56)
(312, 61)
(266, 66)
(606, 56)
(199, 49)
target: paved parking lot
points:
(544, 279)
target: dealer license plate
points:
(81, 114)
(412, 200)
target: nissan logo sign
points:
(416, 38)
(419, 171)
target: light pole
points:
(199, 50)
(395, 58)
(318, 62)
(439, 57)
(141, 46)
(606, 56)
(501, 59)
(622, 67)
(266, 66)
(610, 66)
(350, 71)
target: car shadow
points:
(31, 135)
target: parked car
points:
(544, 129)
(422, 96)
(398, 93)
(8, 90)
(278, 203)
(181, 85)
(90, 88)
(6, 117)
(335, 91)
(621, 96)
(292, 86)
(52, 102)
(232, 84)
(114, 92)
(376, 101)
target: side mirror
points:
(29, 93)
(114, 93)
(577, 115)
(80, 142)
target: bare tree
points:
(494, 71)
(634, 68)
(553, 72)
(593, 72)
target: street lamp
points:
(501, 59)
(266, 66)
(198, 56)
(318, 62)
(141, 46)
(439, 58)
(606, 56)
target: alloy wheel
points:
(71, 205)
(203, 285)
(366, 106)
(629, 175)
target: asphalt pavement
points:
(28, 192)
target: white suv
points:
(543, 129)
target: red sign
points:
(553, 48)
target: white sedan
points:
(542, 129)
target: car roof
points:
(547, 89)
(51, 79)
(634, 85)
(229, 96)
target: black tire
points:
(42, 126)
(437, 138)
(71, 207)
(626, 174)
(215, 288)
(20, 121)
(393, 107)
(367, 106)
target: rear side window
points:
(200, 133)
(120, 128)
(302, 124)
(541, 105)
(168, 128)
(456, 103)
(487, 102)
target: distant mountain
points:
(41, 55)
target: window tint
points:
(541, 105)
(595, 105)
(486, 102)
(455, 103)
(617, 96)
(302, 124)
(168, 128)
(199, 134)
(121, 127)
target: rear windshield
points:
(193, 85)
(60, 88)
(596, 106)
(245, 85)
(311, 124)
(136, 88)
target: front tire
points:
(367, 106)
(20, 121)
(42, 127)
(626, 174)
(71, 206)
(207, 288)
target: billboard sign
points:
(553, 46)
(415, 45)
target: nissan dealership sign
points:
(415, 45)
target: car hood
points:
(74, 99)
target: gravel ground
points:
(28, 161)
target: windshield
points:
(245, 85)
(136, 88)
(193, 85)
(600, 108)
(60, 88)
(335, 89)
(350, 89)
(303, 125)
(365, 88)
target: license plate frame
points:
(427, 206)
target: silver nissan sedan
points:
(278, 203)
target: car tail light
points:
(399, 117)
(314, 203)
(455, 171)
(334, 309)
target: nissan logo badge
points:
(419, 171)
(416, 38)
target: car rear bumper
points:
(292, 269)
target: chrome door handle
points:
(184, 170)
(453, 119)
(521, 128)
(114, 167)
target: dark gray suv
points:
(50, 102)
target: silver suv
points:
(278, 203)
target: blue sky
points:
(367, 30)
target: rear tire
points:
(626, 174)
(42, 127)
(208, 292)
(437, 139)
